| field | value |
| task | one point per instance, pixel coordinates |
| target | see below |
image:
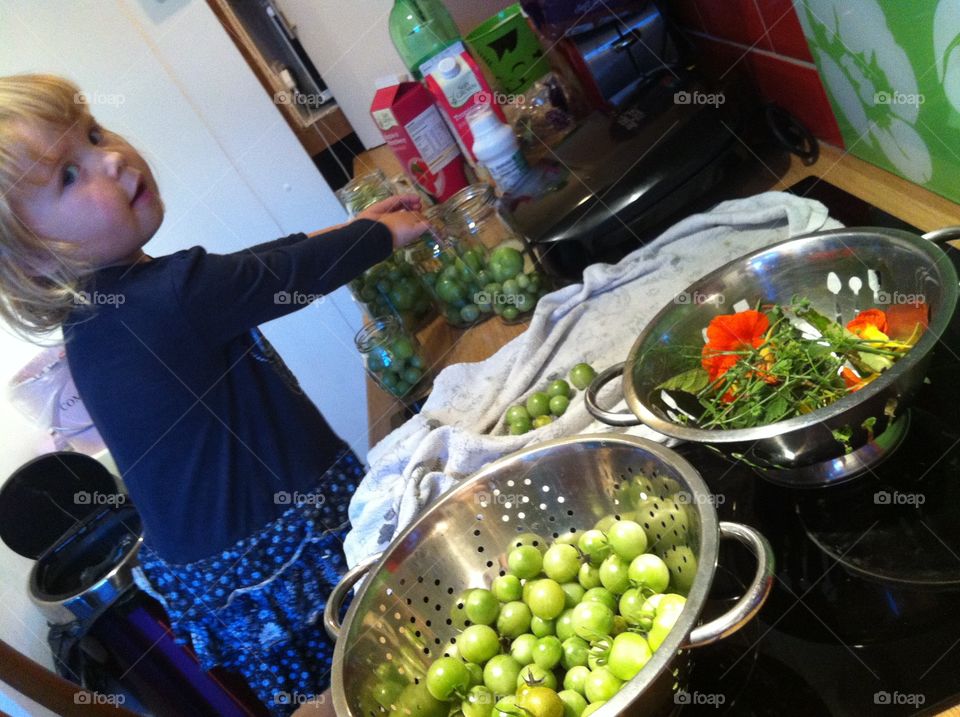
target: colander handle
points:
(939, 236)
(752, 600)
(611, 418)
(331, 613)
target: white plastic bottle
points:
(496, 148)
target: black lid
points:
(47, 496)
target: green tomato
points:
(629, 653)
(514, 619)
(563, 625)
(627, 539)
(470, 313)
(547, 652)
(601, 595)
(576, 678)
(500, 674)
(594, 544)
(525, 561)
(450, 290)
(478, 643)
(541, 628)
(506, 707)
(546, 598)
(561, 563)
(593, 707)
(541, 421)
(520, 426)
(412, 375)
(523, 302)
(605, 523)
(649, 573)
(402, 348)
(447, 678)
(592, 620)
(509, 313)
(668, 612)
(601, 685)
(582, 375)
(510, 287)
(505, 263)
(559, 405)
(573, 703)
(535, 676)
(575, 652)
(479, 702)
(540, 702)
(386, 693)
(631, 607)
(476, 673)
(516, 413)
(472, 258)
(521, 649)
(613, 574)
(538, 404)
(589, 576)
(506, 588)
(574, 592)
(417, 700)
(482, 607)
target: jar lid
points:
(376, 332)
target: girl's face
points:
(89, 188)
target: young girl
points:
(242, 486)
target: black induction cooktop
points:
(864, 616)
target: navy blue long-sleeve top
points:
(204, 421)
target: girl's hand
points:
(401, 216)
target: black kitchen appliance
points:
(864, 618)
(64, 510)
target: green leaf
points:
(842, 436)
(777, 408)
(692, 381)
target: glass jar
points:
(393, 358)
(392, 286)
(452, 270)
(513, 281)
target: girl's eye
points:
(96, 135)
(70, 174)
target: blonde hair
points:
(36, 295)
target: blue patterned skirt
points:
(257, 608)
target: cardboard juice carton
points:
(412, 126)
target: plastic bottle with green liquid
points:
(419, 30)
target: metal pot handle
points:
(939, 236)
(754, 597)
(611, 418)
(331, 613)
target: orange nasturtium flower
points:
(731, 332)
(870, 324)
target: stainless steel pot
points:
(400, 614)
(840, 272)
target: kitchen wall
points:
(165, 74)
(350, 45)
(763, 41)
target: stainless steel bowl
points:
(400, 614)
(825, 267)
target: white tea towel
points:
(461, 427)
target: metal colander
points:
(402, 613)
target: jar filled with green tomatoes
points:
(393, 358)
(453, 271)
(511, 280)
(392, 286)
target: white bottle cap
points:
(449, 68)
